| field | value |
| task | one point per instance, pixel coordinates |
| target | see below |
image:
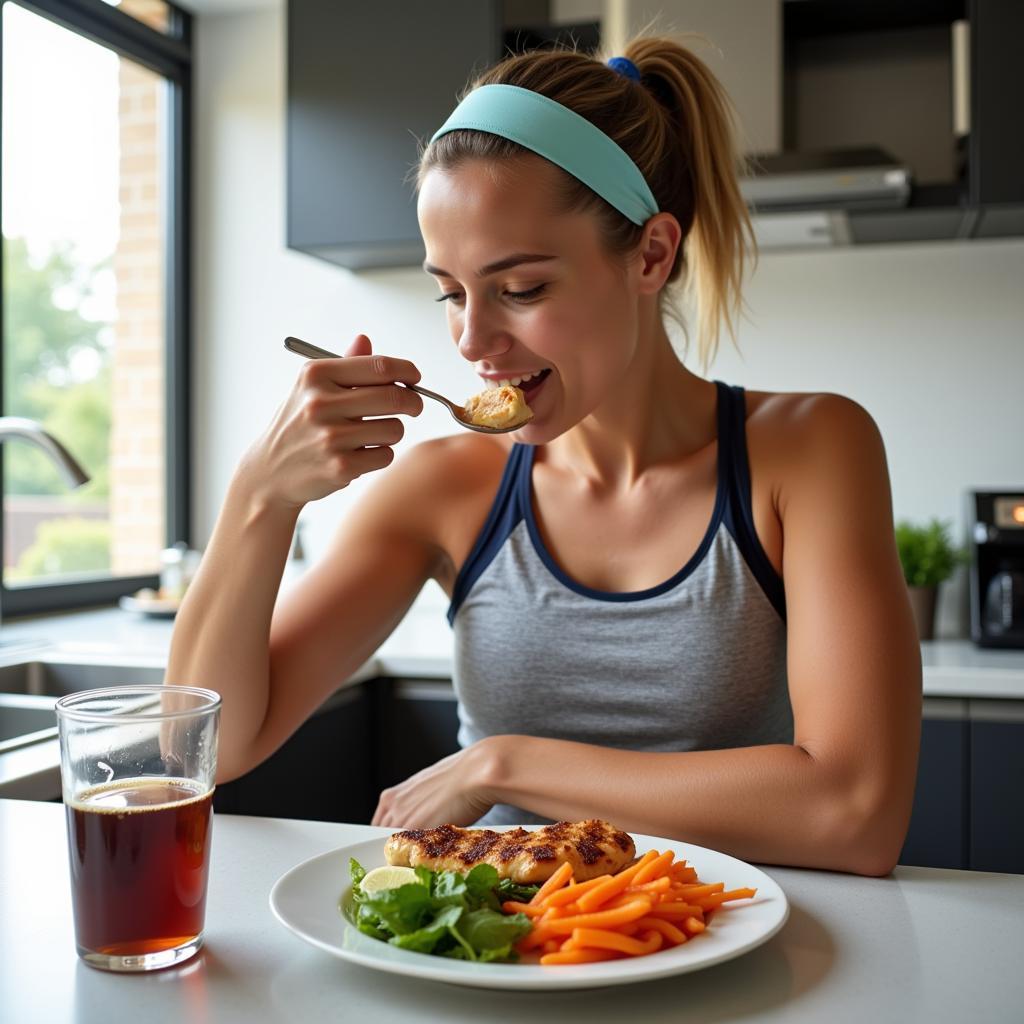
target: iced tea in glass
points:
(138, 766)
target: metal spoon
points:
(304, 348)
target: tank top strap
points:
(734, 474)
(507, 510)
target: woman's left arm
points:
(839, 797)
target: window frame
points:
(169, 55)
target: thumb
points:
(360, 347)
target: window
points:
(93, 287)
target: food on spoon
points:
(590, 848)
(497, 407)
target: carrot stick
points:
(515, 907)
(551, 946)
(567, 895)
(654, 868)
(693, 891)
(692, 926)
(602, 938)
(638, 907)
(659, 885)
(673, 934)
(616, 884)
(578, 956)
(723, 897)
(670, 908)
(561, 875)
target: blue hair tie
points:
(625, 67)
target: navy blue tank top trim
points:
(739, 514)
(513, 504)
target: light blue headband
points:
(562, 136)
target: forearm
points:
(770, 804)
(222, 633)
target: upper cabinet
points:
(867, 121)
(366, 83)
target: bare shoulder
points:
(807, 417)
(436, 494)
(806, 442)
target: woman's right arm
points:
(320, 440)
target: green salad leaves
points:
(444, 913)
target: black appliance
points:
(997, 568)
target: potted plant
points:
(928, 557)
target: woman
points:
(676, 606)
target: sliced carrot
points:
(694, 891)
(603, 938)
(659, 885)
(568, 894)
(717, 898)
(515, 907)
(653, 869)
(561, 875)
(578, 956)
(615, 884)
(601, 919)
(669, 908)
(672, 934)
(692, 926)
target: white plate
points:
(306, 901)
(154, 607)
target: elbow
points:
(866, 826)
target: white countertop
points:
(420, 648)
(923, 945)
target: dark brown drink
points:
(140, 853)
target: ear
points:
(657, 252)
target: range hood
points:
(845, 179)
(801, 199)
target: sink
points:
(25, 720)
(58, 678)
(29, 689)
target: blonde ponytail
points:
(677, 125)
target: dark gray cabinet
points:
(321, 773)
(366, 81)
(417, 724)
(937, 837)
(997, 785)
(969, 802)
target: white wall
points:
(929, 338)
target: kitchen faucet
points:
(30, 430)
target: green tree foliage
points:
(64, 546)
(43, 334)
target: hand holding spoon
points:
(458, 412)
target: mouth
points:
(529, 384)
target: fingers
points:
(360, 346)
(333, 406)
(359, 370)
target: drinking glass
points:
(137, 771)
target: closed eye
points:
(531, 293)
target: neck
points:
(660, 413)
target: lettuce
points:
(444, 913)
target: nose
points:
(481, 336)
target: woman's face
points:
(532, 296)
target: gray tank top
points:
(695, 663)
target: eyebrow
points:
(515, 260)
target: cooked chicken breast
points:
(592, 848)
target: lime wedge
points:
(387, 877)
